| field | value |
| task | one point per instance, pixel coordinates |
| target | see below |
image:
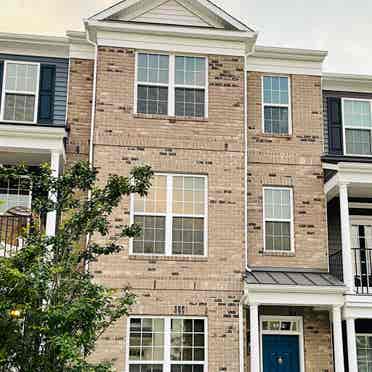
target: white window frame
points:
(364, 335)
(5, 91)
(289, 105)
(343, 100)
(169, 216)
(290, 220)
(171, 82)
(299, 333)
(167, 342)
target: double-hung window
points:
(278, 219)
(190, 86)
(20, 92)
(276, 105)
(173, 344)
(364, 352)
(173, 85)
(357, 119)
(172, 216)
(152, 83)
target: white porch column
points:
(255, 338)
(337, 339)
(51, 219)
(347, 261)
(351, 344)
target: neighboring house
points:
(244, 262)
(347, 162)
(33, 96)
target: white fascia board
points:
(347, 82)
(286, 61)
(156, 29)
(172, 43)
(34, 45)
(33, 138)
(79, 46)
(294, 295)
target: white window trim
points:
(167, 343)
(343, 100)
(362, 334)
(169, 214)
(4, 92)
(291, 220)
(289, 105)
(171, 83)
(299, 333)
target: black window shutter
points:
(1, 78)
(334, 126)
(46, 94)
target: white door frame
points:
(278, 332)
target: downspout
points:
(241, 332)
(247, 268)
(243, 300)
(92, 123)
(94, 94)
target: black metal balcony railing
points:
(335, 265)
(362, 268)
(11, 228)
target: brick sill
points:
(167, 258)
(286, 136)
(278, 254)
(172, 119)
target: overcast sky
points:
(342, 27)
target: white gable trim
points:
(209, 6)
(173, 12)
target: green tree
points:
(51, 310)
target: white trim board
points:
(286, 60)
(34, 45)
(347, 82)
(171, 43)
(294, 295)
(36, 139)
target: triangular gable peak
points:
(194, 13)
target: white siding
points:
(172, 13)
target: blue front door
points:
(280, 353)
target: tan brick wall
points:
(79, 109)
(289, 161)
(317, 336)
(210, 286)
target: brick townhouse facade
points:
(255, 246)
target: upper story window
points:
(20, 93)
(171, 85)
(357, 118)
(172, 216)
(278, 219)
(162, 344)
(27, 92)
(276, 105)
(152, 77)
